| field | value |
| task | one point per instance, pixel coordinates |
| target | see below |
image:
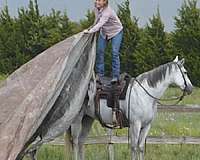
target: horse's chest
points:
(142, 113)
(148, 116)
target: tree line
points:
(29, 33)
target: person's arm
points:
(101, 22)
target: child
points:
(110, 29)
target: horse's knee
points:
(75, 143)
(75, 131)
(141, 148)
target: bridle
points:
(179, 98)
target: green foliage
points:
(152, 49)
(88, 21)
(130, 38)
(56, 27)
(186, 37)
(7, 41)
(29, 33)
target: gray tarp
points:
(43, 97)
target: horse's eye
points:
(185, 72)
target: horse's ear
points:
(182, 61)
(176, 59)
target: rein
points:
(180, 98)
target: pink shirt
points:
(107, 22)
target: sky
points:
(76, 9)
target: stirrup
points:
(115, 122)
(114, 117)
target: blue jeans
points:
(101, 46)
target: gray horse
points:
(143, 106)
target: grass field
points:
(154, 152)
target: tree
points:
(29, 25)
(8, 39)
(27, 35)
(186, 37)
(152, 49)
(88, 21)
(130, 37)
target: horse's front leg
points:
(143, 134)
(134, 135)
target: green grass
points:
(165, 124)
(162, 152)
(153, 152)
(176, 124)
(194, 98)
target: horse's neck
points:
(159, 89)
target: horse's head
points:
(180, 77)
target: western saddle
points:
(113, 92)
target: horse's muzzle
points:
(189, 89)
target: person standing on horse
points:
(110, 27)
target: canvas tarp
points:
(43, 97)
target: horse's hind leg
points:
(86, 126)
(134, 135)
(33, 154)
(142, 139)
(75, 133)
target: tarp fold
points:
(43, 97)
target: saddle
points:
(107, 90)
(112, 92)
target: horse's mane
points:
(156, 75)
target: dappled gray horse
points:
(143, 106)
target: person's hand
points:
(86, 31)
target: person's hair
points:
(106, 2)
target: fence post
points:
(68, 145)
(110, 146)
